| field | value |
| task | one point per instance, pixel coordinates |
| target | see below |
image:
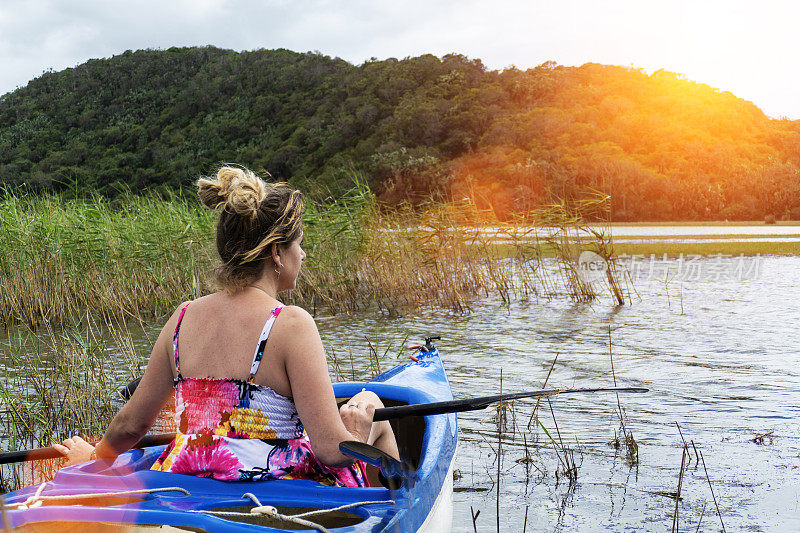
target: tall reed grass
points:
(125, 258)
(73, 272)
(59, 383)
(137, 256)
(448, 256)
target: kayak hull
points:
(424, 502)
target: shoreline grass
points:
(138, 257)
(673, 249)
(676, 249)
(721, 223)
(714, 236)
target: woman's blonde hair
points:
(254, 216)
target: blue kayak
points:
(128, 496)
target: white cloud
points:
(732, 44)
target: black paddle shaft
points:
(386, 413)
(435, 408)
(473, 404)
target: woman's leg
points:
(381, 435)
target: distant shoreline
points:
(728, 248)
(705, 223)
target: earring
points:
(277, 271)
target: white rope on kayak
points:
(343, 507)
(299, 519)
(37, 500)
(323, 511)
(270, 511)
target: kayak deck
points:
(427, 445)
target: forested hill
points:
(663, 147)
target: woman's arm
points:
(300, 347)
(139, 413)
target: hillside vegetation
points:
(661, 146)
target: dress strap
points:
(262, 342)
(175, 340)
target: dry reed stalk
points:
(61, 383)
(678, 492)
(712, 491)
(684, 454)
(474, 518)
(374, 358)
(333, 360)
(499, 453)
(685, 446)
(570, 467)
(544, 385)
(759, 439)
(631, 446)
(700, 520)
(525, 520)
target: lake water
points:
(716, 344)
(720, 356)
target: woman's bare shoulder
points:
(296, 326)
(295, 313)
(170, 324)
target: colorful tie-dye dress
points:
(236, 430)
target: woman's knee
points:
(366, 396)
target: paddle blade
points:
(392, 471)
(127, 391)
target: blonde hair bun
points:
(254, 216)
(237, 189)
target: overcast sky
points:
(749, 48)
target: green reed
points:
(140, 256)
(121, 258)
(56, 384)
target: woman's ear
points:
(276, 255)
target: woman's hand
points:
(76, 450)
(357, 417)
(358, 412)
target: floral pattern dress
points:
(235, 430)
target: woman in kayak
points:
(253, 398)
